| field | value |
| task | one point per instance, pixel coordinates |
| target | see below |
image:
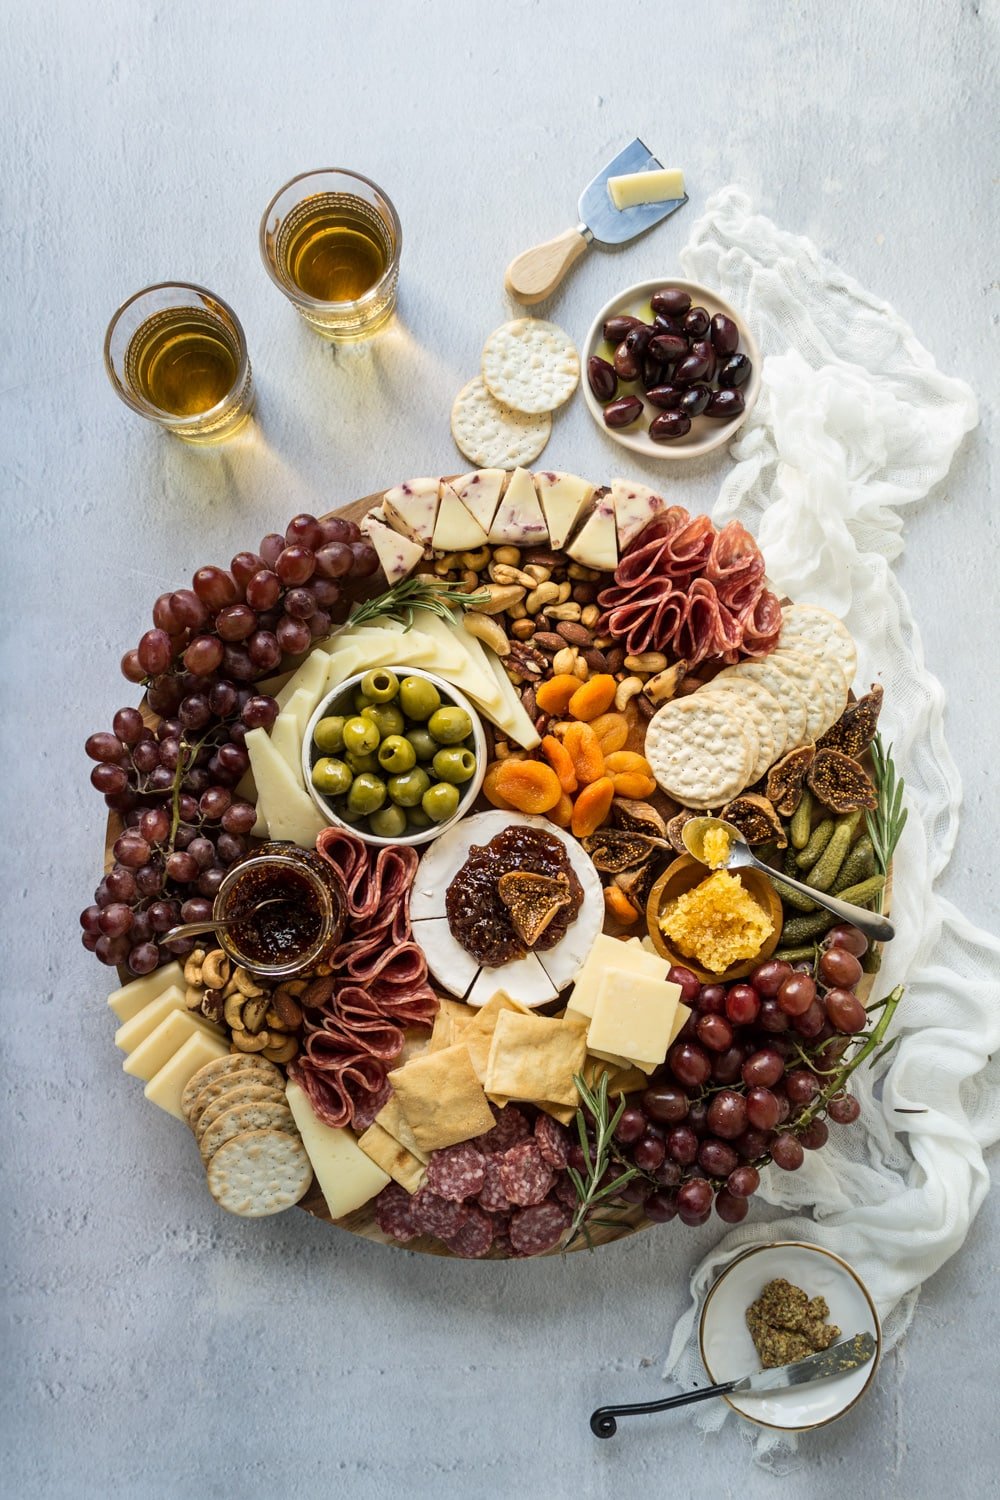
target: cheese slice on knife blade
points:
(346, 1177)
(564, 498)
(635, 506)
(519, 521)
(595, 544)
(399, 555)
(480, 493)
(411, 508)
(287, 810)
(456, 528)
(658, 186)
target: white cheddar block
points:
(523, 979)
(346, 1176)
(134, 996)
(311, 676)
(611, 954)
(661, 185)
(411, 508)
(135, 1031)
(480, 493)
(633, 1017)
(286, 739)
(635, 506)
(161, 1044)
(166, 1086)
(301, 705)
(519, 520)
(288, 811)
(681, 1017)
(457, 529)
(398, 555)
(515, 719)
(595, 544)
(564, 498)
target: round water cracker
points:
(240, 1093)
(218, 1068)
(273, 1116)
(819, 681)
(767, 715)
(530, 365)
(781, 685)
(492, 435)
(811, 623)
(260, 1172)
(246, 1068)
(699, 751)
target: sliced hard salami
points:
(435, 1215)
(475, 1238)
(566, 1192)
(456, 1173)
(525, 1175)
(510, 1128)
(539, 1228)
(553, 1140)
(393, 1214)
(492, 1196)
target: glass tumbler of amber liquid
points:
(177, 354)
(331, 241)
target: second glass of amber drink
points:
(330, 241)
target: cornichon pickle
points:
(864, 892)
(790, 897)
(801, 929)
(818, 840)
(796, 955)
(859, 864)
(826, 869)
(799, 827)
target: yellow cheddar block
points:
(132, 997)
(161, 1044)
(133, 1033)
(166, 1086)
(634, 1019)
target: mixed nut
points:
(259, 1018)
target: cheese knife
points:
(534, 274)
(839, 1359)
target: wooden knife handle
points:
(534, 274)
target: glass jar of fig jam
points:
(284, 939)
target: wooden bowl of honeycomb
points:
(714, 918)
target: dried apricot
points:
(593, 697)
(633, 784)
(592, 806)
(628, 760)
(490, 787)
(528, 785)
(562, 813)
(619, 906)
(611, 730)
(585, 752)
(553, 695)
(561, 761)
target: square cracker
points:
(535, 1057)
(392, 1120)
(449, 1023)
(386, 1152)
(442, 1098)
(478, 1036)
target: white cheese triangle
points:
(288, 811)
(480, 493)
(456, 528)
(519, 520)
(635, 506)
(311, 675)
(563, 498)
(595, 545)
(411, 508)
(398, 554)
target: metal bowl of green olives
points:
(395, 755)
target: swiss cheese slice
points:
(411, 508)
(611, 954)
(635, 506)
(661, 185)
(163, 1041)
(346, 1176)
(480, 493)
(595, 544)
(287, 810)
(398, 554)
(564, 498)
(519, 520)
(136, 995)
(166, 1086)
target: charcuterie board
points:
(603, 726)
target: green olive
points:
(454, 765)
(361, 736)
(423, 742)
(417, 819)
(360, 700)
(388, 823)
(359, 763)
(407, 789)
(419, 698)
(387, 716)
(440, 802)
(342, 810)
(328, 736)
(331, 777)
(450, 726)
(396, 754)
(367, 794)
(380, 685)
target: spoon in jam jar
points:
(721, 846)
(216, 924)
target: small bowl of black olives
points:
(394, 754)
(670, 369)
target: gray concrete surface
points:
(154, 1347)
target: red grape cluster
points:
(748, 1080)
(173, 786)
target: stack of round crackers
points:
(707, 748)
(503, 417)
(253, 1154)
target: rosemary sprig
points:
(399, 602)
(886, 823)
(590, 1194)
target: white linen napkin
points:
(853, 424)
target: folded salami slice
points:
(762, 625)
(342, 1091)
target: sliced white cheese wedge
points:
(287, 740)
(411, 508)
(519, 520)
(480, 493)
(311, 675)
(166, 1086)
(301, 707)
(456, 529)
(444, 954)
(515, 718)
(134, 1031)
(595, 545)
(399, 555)
(376, 516)
(137, 994)
(287, 810)
(347, 1178)
(473, 677)
(635, 506)
(564, 498)
(606, 954)
(523, 979)
(163, 1041)
(658, 186)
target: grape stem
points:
(841, 1075)
(588, 1189)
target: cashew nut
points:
(281, 1050)
(565, 593)
(502, 596)
(215, 970)
(193, 996)
(254, 1012)
(509, 556)
(581, 669)
(244, 1042)
(487, 630)
(544, 593)
(233, 1011)
(589, 615)
(647, 661)
(539, 572)
(476, 561)
(192, 969)
(246, 984)
(626, 691)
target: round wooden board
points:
(362, 1221)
